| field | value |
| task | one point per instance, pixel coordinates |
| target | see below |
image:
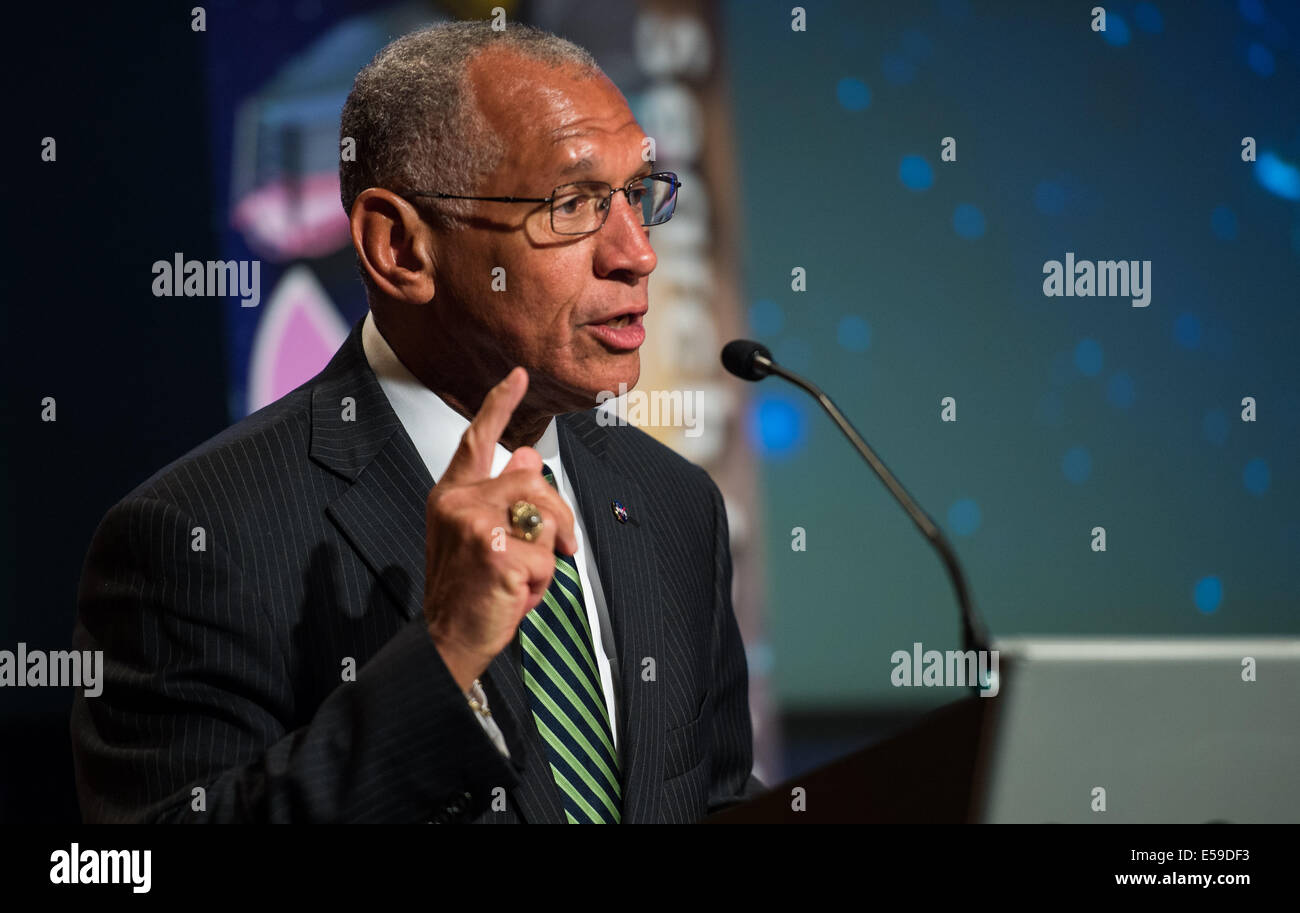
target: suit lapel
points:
(356, 434)
(382, 516)
(625, 556)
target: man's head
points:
(464, 290)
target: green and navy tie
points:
(564, 689)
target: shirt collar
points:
(433, 426)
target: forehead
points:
(555, 121)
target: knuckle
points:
(480, 528)
(469, 442)
(515, 576)
(444, 514)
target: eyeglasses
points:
(583, 207)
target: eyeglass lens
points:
(580, 208)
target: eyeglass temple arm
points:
(457, 196)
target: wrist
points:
(464, 665)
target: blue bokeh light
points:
(1260, 59)
(853, 94)
(1120, 391)
(1187, 331)
(915, 173)
(777, 427)
(968, 221)
(1224, 223)
(1251, 10)
(1278, 177)
(766, 317)
(1256, 476)
(1208, 594)
(1077, 465)
(1117, 33)
(854, 333)
(964, 517)
(1049, 198)
(1088, 358)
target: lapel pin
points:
(620, 512)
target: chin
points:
(617, 378)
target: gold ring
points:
(526, 521)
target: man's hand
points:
(480, 579)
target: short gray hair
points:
(414, 119)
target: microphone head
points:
(738, 358)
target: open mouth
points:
(622, 333)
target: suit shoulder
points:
(261, 452)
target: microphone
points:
(750, 360)
(741, 358)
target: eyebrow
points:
(586, 164)
(579, 165)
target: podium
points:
(1083, 730)
(923, 774)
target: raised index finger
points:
(473, 458)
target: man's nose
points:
(622, 245)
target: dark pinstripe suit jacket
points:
(230, 591)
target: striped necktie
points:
(567, 700)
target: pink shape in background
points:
(282, 222)
(296, 337)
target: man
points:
(299, 624)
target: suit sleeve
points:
(733, 739)
(192, 724)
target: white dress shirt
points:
(436, 429)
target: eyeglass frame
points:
(671, 175)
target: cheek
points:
(552, 302)
(526, 302)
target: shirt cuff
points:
(476, 694)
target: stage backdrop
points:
(923, 164)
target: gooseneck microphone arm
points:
(751, 361)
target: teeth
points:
(620, 321)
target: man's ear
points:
(397, 249)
